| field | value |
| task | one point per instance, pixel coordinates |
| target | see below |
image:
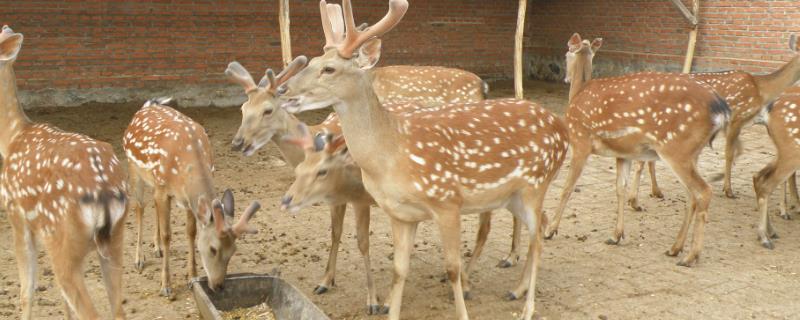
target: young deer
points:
(64, 189)
(746, 94)
(642, 116)
(434, 163)
(170, 152)
(784, 129)
(264, 121)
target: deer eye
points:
(267, 112)
(213, 251)
(328, 70)
(322, 173)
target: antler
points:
(292, 69)
(304, 141)
(237, 73)
(334, 144)
(241, 227)
(355, 36)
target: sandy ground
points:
(580, 276)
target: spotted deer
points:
(784, 129)
(171, 153)
(445, 161)
(746, 94)
(642, 116)
(63, 190)
(263, 121)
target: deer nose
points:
(282, 90)
(285, 202)
(237, 144)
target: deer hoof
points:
(373, 309)
(729, 194)
(510, 296)
(383, 310)
(467, 295)
(549, 234)
(657, 194)
(139, 266)
(320, 289)
(612, 241)
(505, 263)
(166, 292)
(767, 244)
(672, 252)
(158, 253)
(786, 216)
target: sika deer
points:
(746, 94)
(461, 158)
(66, 190)
(642, 116)
(784, 129)
(170, 152)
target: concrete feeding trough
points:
(247, 290)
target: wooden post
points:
(286, 39)
(687, 64)
(518, 91)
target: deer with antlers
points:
(171, 153)
(263, 121)
(64, 189)
(642, 116)
(784, 129)
(442, 161)
(746, 94)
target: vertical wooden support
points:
(687, 64)
(286, 39)
(518, 91)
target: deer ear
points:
(369, 54)
(217, 217)
(227, 202)
(596, 44)
(10, 46)
(574, 43)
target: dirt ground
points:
(580, 276)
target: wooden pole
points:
(518, 91)
(687, 64)
(286, 39)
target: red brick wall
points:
(751, 35)
(143, 44)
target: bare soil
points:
(580, 276)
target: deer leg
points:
(449, 223)
(67, 263)
(764, 183)
(25, 252)
(633, 194)
(337, 222)
(732, 148)
(136, 195)
(158, 251)
(191, 234)
(362, 213)
(700, 197)
(623, 171)
(580, 153)
(162, 211)
(513, 256)
(485, 224)
(784, 210)
(403, 234)
(111, 267)
(793, 189)
(655, 190)
(528, 209)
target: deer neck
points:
(772, 85)
(581, 74)
(12, 118)
(291, 153)
(368, 127)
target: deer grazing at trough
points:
(264, 121)
(63, 189)
(746, 94)
(171, 153)
(445, 161)
(784, 129)
(642, 116)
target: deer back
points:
(646, 110)
(783, 121)
(49, 172)
(739, 90)
(427, 85)
(172, 148)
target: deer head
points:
(10, 44)
(579, 62)
(216, 238)
(261, 116)
(341, 71)
(326, 168)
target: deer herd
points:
(445, 151)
